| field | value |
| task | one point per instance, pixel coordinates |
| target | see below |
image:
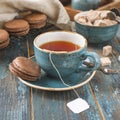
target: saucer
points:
(48, 83)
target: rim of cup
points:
(65, 34)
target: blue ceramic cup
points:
(67, 63)
(85, 4)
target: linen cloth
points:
(9, 9)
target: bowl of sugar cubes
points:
(96, 26)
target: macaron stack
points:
(21, 27)
(4, 38)
(36, 20)
(17, 27)
(25, 68)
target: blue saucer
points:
(46, 82)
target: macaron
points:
(36, 20)
(25, 68)
(4, 38)
(17, 27)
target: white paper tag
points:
(78, 105)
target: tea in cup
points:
(66, 50)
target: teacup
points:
(66, 62)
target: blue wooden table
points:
(20, 102)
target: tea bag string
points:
(50, 57)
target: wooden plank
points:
(52, 105)
(107, 93)
(104, 2)
(106, 87)
(14, 99)
(14, 96)
(109, 6)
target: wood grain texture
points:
(14, 99)
(14, 96)
(107, 94)
(103, 2)
(53, 105)
(107, 87)
(111, 5)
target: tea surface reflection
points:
(60, 46)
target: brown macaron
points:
(36, 20)
(4, 38)
(25, 68)
(17, 27)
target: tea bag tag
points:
(78, 105)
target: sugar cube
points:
(107, 50)
(105, 61)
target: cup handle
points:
(93, 58)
